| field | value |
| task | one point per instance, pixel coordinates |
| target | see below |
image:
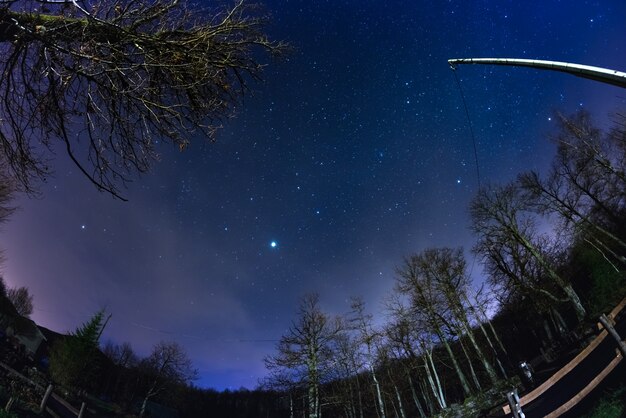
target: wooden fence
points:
(50, 401)
(537, 392)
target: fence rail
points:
(571, 365)
(50, 401)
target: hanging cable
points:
(469, 122)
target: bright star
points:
(273, 244)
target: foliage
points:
(612, 405)
(604, 285)
(74, 359)
(121, 75)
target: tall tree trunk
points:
(546, 328)
(457, 367)
(430, 406)
(416, 400)
(493, 349)
(358, 394)
(559, 321)
(151, 392)
(351, 403)
(572, 296)
(399, 398)
(481, 319)
(397, 392)
(379, 396)
(581, 313)
(495, 334)
(469, 362)
(486, 364)
(435, 384)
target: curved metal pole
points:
(604, 75)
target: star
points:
(273, 244)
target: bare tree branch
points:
(110, 79)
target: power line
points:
(469, 122)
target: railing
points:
(537, 392)
(50, 402)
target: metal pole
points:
(516, 408)
(604, 75)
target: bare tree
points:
(307, 351)
(7, 191)
(448, 269)
(167, 364)
(109, 79)
(400, 332)
(370, 340)
(121, 355)
(22, 300)
(348, 365)
(506, 232)
(428, 306)
(586, 184)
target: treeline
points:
(553, 250)
(114, 381)
(166, 377)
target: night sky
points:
(352, 153)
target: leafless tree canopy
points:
(22, 300)
(7, 190)
(109, 79)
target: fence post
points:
(44, 401)
(606, 323)
(81, 414)
(516, 408)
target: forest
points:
(551, 249)
(107, 84)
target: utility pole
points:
(603, 75)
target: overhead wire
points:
(469, 122)
(471, 129)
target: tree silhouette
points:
(22, 300)
(109, 79)
(167, 364)
(73, 360)
(307, 351)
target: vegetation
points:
(553, 253)
(612, 405)
(543, 242)
(123, 76)
(16, 301)
(74, 359)
(22, 300)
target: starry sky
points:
(352, 153)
